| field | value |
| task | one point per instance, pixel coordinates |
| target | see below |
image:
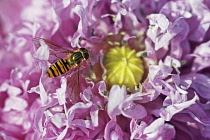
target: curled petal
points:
(201, 83)
(116, 93)
(131, 109)
(58, 119)
(113, 131)
(15, 103)
(168, 112)
(61, 92)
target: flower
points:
(165, 95)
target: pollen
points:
(123, 67)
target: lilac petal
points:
(118, 22)
(131, 109)
(61, 92)
(75, 39)
(205, 131)
(196, 118)
(202, 56)
(76, 135)
(115, 93)
(157, 21)
(131, 4)
(58, 120)
(42, 92)
(87, 95)
(161, 31)
(154, 126)
(181, 85)
(7, 137)
(168, 112)
(15, 103)
(102, 88)
(113, 131)
(159, 130)
(148, 96)
(165, 70)
(38, 119)
(63, 133)
(137, 129)
(83, 124)
(70, 114)
(176, 9)
(159, 72)
(173, 30)
(198, 114)
(43, 51)
(171, 61)
(201, 83)
(79, 108)
(118, 7)
(61, 4)
(82, 26)
(94, 116)
(201, 23)
(177, 45)
(11, 90)
(136, 111)
(203, 50)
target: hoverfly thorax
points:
(78, 56)
(85, 53)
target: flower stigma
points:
(123, 67)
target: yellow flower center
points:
(123, 67)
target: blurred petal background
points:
(170, 38)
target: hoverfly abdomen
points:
(58, 68)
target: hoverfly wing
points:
(74, 85)
(55, 51)
(38, 42)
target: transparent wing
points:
(73, 87)
(55, 51)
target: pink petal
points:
(113, 131)
(168, 112)
(131, 109)
(15, 103)
(115, 93)
(61, 92)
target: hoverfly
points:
(70, 63)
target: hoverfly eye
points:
(86, 55)
(82, 49)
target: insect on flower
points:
(68, 62)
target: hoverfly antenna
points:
(89, 49)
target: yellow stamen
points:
(123, 67)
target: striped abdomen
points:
(59, 67)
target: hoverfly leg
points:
(82, 66)
(57, 56)
(67, 51)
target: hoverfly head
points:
(85, 53)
